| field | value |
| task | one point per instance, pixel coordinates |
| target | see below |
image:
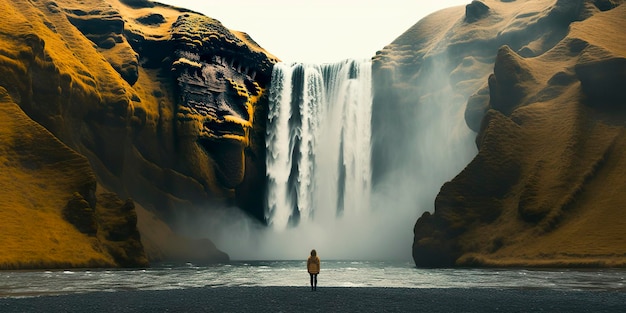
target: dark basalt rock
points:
(603, 81)
(475, 11)
(507, 84)
(197, 251)
(606, 5)
(434, 248)
(117, 225)
(138, 4)
(152, 19)
(80, 214)
(477, 106)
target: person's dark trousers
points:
(313, 282)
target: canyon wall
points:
(132, 100)
(544, 87)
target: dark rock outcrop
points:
(80, 214)
(221, 78)
(603, 80)
(138, 4)
(222, 82)
(153, 19)
(117, 226)
(508, 84)
(475, 11)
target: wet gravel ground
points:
(299, 299)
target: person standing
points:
(313, 266)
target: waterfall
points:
(318, 142)
(321, 190)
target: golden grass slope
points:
(51, 72)
(39, 176)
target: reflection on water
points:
(293, 273)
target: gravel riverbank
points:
(300, 299)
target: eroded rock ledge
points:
(222, 78)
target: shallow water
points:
(293, 273)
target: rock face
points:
(543, 82)
(166, 105)
(52, 213)
(222, 78)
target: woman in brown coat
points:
(313, 266)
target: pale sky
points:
(317, 31)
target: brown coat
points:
(313, 265)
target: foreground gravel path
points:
(298, 299)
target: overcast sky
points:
(319, 30)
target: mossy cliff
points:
(544, 87)
(53, 213)
(110, 100)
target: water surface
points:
(356, 274)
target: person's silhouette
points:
(313, 266)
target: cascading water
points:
(318, 142)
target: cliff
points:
(544, 85)
(53, 214)
(104, 100)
